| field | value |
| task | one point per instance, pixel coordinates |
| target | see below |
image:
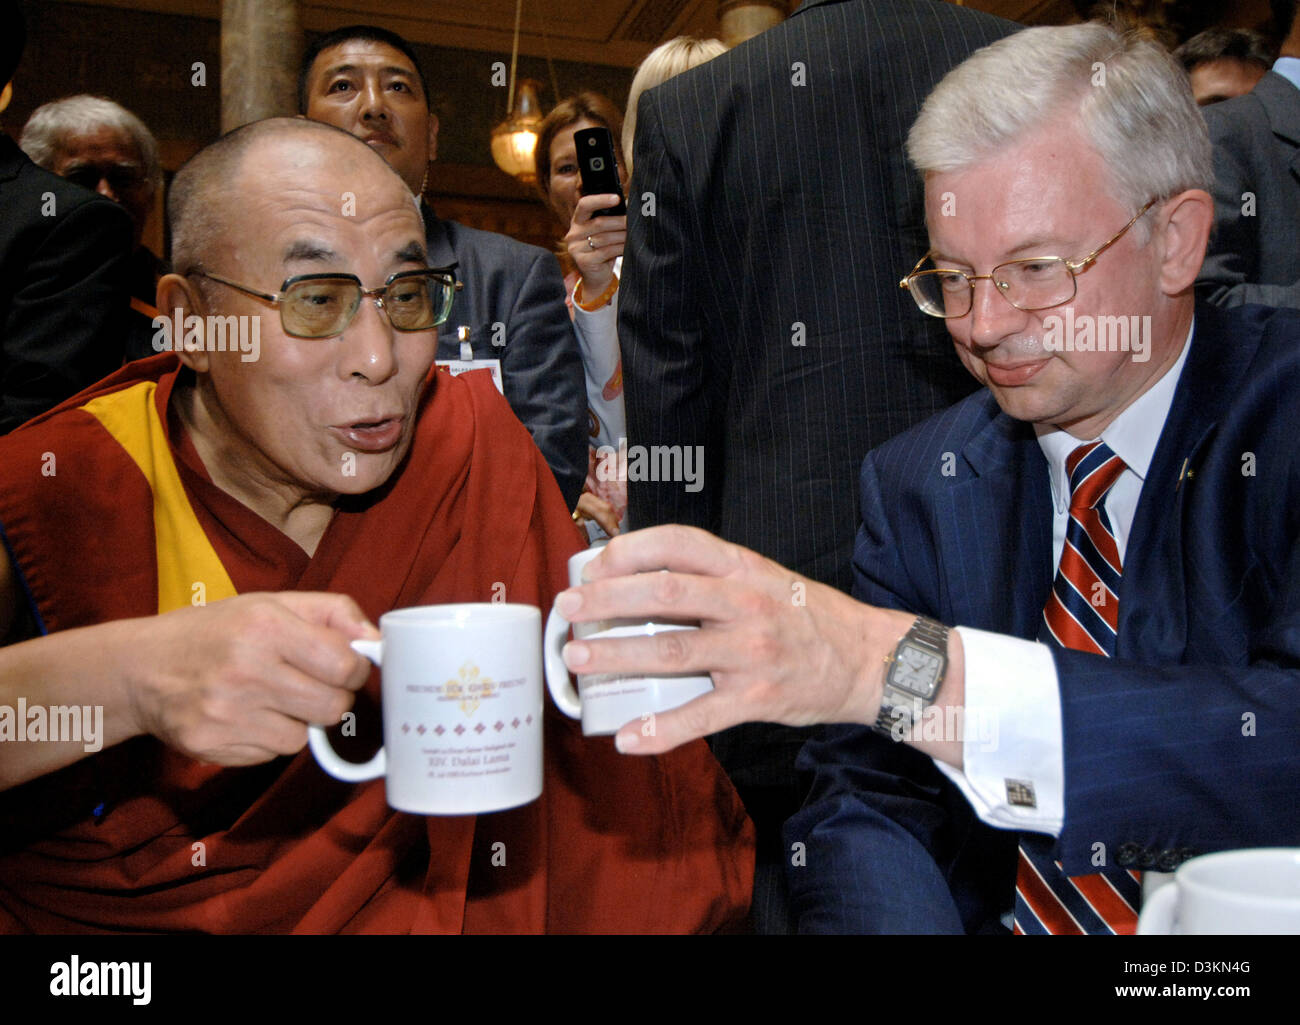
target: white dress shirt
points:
(1013, 705)
(597, 332)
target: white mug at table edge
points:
(1240, 892)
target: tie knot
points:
(1093, 470)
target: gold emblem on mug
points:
(470, 688)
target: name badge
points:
(456, 367)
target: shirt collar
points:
(1288, 68)
(1133, 435)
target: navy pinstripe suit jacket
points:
(1187, 741)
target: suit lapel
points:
(1281, 102)
(1153, 595)
(441, 254)
(437, 240)
(999, 528)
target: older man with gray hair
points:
(1078, 614)
(101, 145)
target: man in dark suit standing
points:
(63, 272)
(761, 318)
(1079, 589)
(366, 81)
(1255, 248)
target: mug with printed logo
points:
(462, 707)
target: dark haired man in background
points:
(1224, 62)
(1254, 252)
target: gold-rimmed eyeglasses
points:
(323, 305)
(1032, 283)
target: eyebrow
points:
(1036, 246)
(86, 162)
(309, 252)
(388, 69)
(412, 252)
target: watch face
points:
(916, 671)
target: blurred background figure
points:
(63, 271)
(102, 146)
(662, 63)
(1254, 254)
(1224, 62)
(591, 255)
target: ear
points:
(6, 94)
(179, 299)
(1184, 234)
(433, 137)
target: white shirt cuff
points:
(1012, 749)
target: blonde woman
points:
(662, 63)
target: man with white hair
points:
(1079, 589)
(102, 146)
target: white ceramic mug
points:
(462, 699)
(606, 701)
(1235, 892)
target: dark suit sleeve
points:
(542, 375)
(891, 846)
(668, 382)
(1232, 272)
(66, 327)
(1187, 759)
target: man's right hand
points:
(237, 682)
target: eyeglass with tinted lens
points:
(1032, 283)
(323, 305)
(120, 178)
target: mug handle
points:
(1157, 918)
(557, 673)
(349, 772)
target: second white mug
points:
(604, 702)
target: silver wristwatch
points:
(915, 673)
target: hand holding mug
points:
(606, 701)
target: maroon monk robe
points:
(139, 837)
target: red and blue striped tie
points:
(1082, 613)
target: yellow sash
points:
(186, 557)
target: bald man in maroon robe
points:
(190, 545)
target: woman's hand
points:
(593, 507)
(595, 243)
